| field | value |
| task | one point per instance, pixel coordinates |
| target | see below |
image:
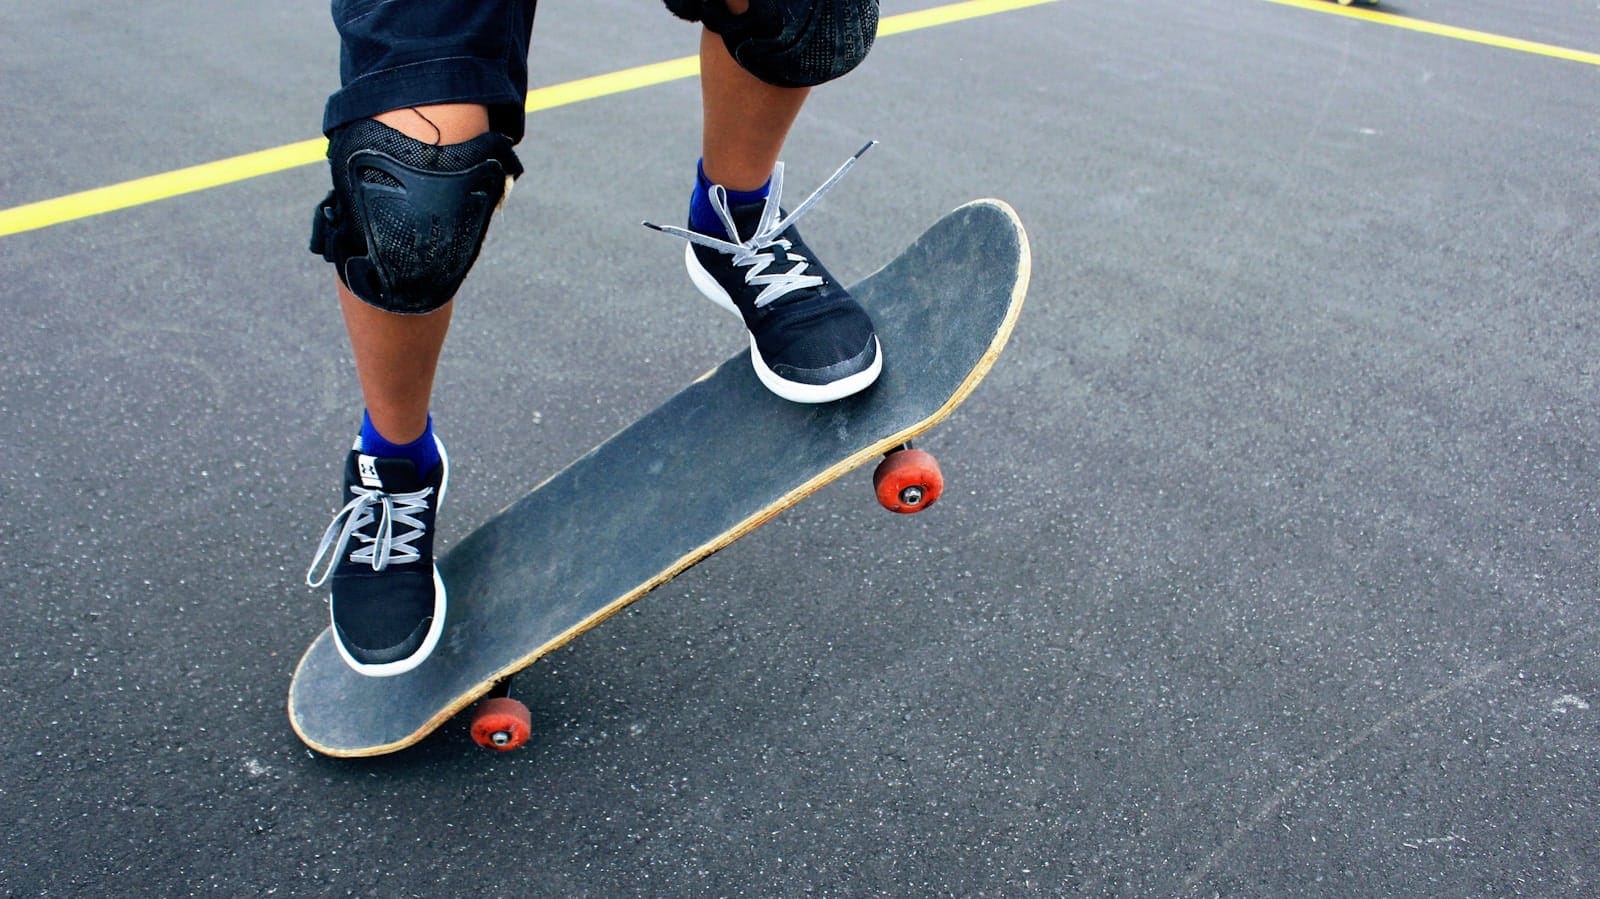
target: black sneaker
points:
(387, 602)
(810, 341)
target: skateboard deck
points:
(702, 470)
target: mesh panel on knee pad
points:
(847, 42)
(798, 43)
(431, 270)
(370, 134)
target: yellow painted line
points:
(612, 83)
(159, 187)
(43, 214)
(1450, 31)
(954, 12)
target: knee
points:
(406, 219)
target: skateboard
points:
(703, 469)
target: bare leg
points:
(746, 119)
(397, 355)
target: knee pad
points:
(405, 220)
(791, 43)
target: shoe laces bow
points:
(765, 246)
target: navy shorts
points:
(399, 53)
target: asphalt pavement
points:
(1266, 569)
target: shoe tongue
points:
(388, 475)
(748, 217)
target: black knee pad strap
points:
(405, 219)
(790, 43)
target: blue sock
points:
(422, 452)
(702, 217)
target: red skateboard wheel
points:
(501, 724)
(908, 481)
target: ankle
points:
(703, 216)
(422, 451)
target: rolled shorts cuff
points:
(458, 79)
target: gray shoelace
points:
(755, 253)
(384, 546)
